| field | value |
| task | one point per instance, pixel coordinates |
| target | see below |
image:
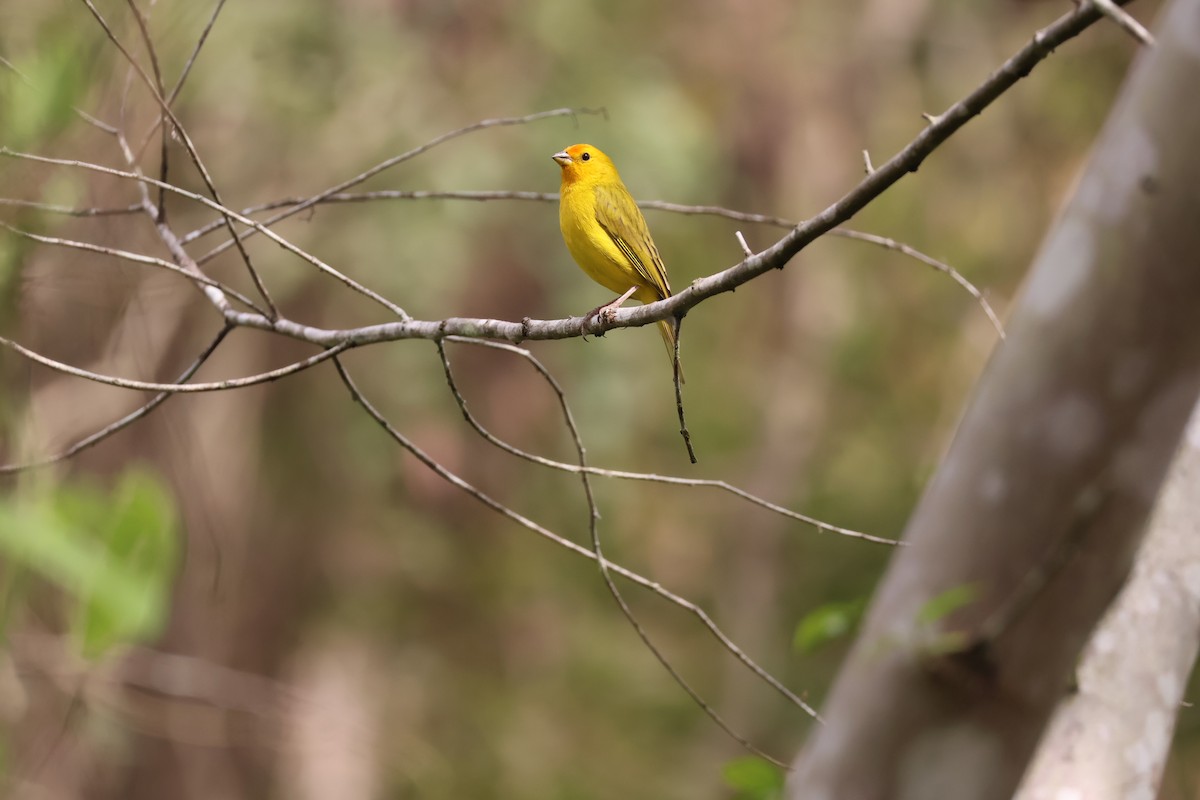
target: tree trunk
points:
(1040, 503)
(1110, 739)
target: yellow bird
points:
(606, 233)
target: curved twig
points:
(579, 550)
(818, 525)
(123, 422)
(603, 563)
(177, 388)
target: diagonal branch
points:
(164, 162)
(660, 205)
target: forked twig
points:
(123, 422)
(193, 153)
(603, 564)
(579, 550)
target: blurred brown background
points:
(414, 643)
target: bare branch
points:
(176, 388)
(187, 68)
(164, 162)
(1124, 20)
(123, 422)
(183, 76)
(658, 205)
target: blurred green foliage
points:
(827, 623)
(752, 778)
(115, 553)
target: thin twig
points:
(406, 156)
(1124, 20)
(160, 89)
(123, 422)
(183, 76)
(742, 242)
(940, 266)
(177, 388)
(6, 63)
(282, 242)
(818, 525)
(187, 68)
(86, 117)
(845, 233)
(70, 211)
(136, 258)
(677, 376)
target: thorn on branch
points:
(932, 119)
(867, 165)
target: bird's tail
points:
(667, 328)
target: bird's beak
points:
(562, 158)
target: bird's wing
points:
(621, 219)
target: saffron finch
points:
(606, 233)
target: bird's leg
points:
(607, 312)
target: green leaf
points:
(115, 554)
(753, 778)
(942, 605)
(827, 623)
(141, 552)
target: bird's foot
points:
(605, 314)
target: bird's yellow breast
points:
(589, 244)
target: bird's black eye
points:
(585, 157)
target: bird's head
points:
(583, 162)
